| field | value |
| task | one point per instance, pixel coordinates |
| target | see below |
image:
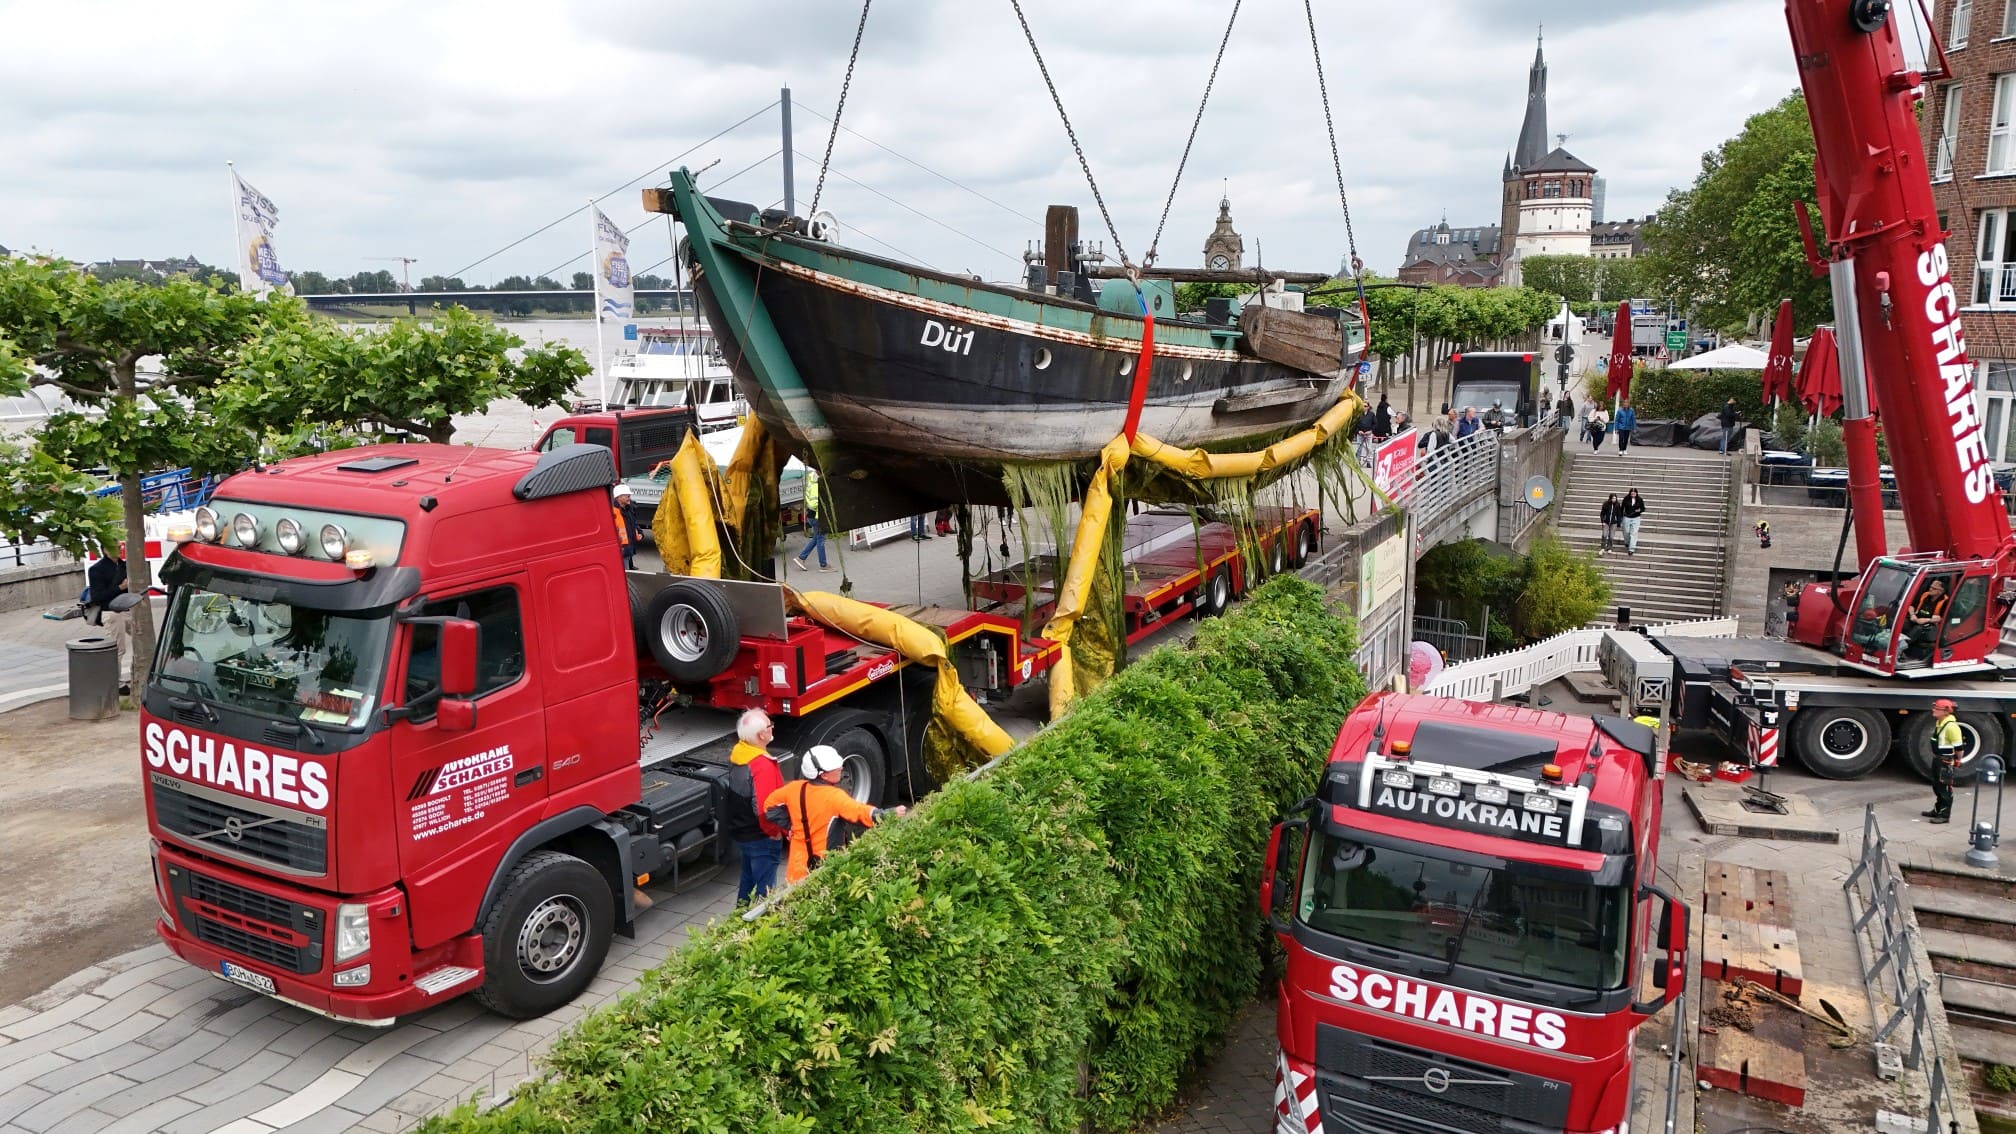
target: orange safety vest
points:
(813, 806)
(622, 525)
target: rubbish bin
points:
(94, 678)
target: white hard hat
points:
(622, 490)
(819, 759)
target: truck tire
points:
(546, 937)
(864, 772)
(1277, 555)
(1983, 732)
(1840, 742)
(1215, 595)
(691, 630)
(1305, 544)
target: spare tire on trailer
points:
(1840, 742)
(691, 630)
(1983, 733)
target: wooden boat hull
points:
(909, 389)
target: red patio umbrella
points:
(1778, 369)
(1618, 382)
(1820, 375)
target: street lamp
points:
(1982, 835)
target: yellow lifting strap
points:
(742, 472)
(684, 525)
(918, 644)
(1098, 506)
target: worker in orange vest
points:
(626, 528)
(807, 809)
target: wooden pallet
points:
(1747, 893)
(1733, 949)
(1767, 1062)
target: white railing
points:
(1453, 476)
(1518, 671)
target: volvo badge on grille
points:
(1435, 1078)
(234, 829)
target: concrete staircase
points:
(1680, 567)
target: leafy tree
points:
(546, 283)
(584, 281)
(87, 337)
(1575, 278)
(445, 283)
(408, 376)
(1191, 297)
(43, 498)
(315, 283)
(1562, 589)
(1788, 427)
(1725, 246)
(380, 282)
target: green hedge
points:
(1091, 902)
(1662, 394)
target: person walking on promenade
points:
(1627, 420)
(1947, 740)
(1565, 410)
(753, 776)
(815, 531)
(1613, 515)
(1729, 417)
(1634, 511)
(1599, 424)
(810, 806)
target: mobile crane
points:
(1859, 670)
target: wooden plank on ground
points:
(1747, 892)
(1766, 1062)
(1732, 949)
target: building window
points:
(2008, 20)
(2001, 146)
(1956, 24)
(1997, 388)
(1949, 129)
(1995, 267)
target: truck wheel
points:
(1983, 733)
(1216, 595)
(1305, 543)
(1840, 742)
(864, 772)
(1277, 555)
(546, 937)
(691, 630)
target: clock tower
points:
(1223, 249)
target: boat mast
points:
(784, 104)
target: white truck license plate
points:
(249, 979)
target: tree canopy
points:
(1586, 279)
(1728, 246)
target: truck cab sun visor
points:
(570, 468)
(317, 586)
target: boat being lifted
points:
(910, 389)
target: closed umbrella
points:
(1778, 370)
(1618, 380)
(1820, 375)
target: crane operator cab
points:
(1922, 616)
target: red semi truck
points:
(1467, 905)
(412, 732)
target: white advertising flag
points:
(615, 301)
(258, 265)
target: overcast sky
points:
(446, 130)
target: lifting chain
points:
(1149, 259)
(1118, 249)
(833, 133)
(1351, 237)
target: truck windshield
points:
(1547, 927)
(274, 658)
(1881, 606)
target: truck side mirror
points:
(1669, 973)
(1283, 868)
(459, 638)
(455, 714)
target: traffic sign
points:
(1676, 341)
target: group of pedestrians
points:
(772, 821)
(1623, 513)
(1375, 428)
(1598, 424)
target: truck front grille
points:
(294, 841)
(1371, 1084)
(275, 932)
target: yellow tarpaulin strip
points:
(684, 525)
(918, 644)
(1194, 463)
(742, 472)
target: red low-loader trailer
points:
(1468, 905)
(412, 732)
(1171, 566)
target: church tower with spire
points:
(1531, 149)
(1548, 205)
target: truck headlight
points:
(245, 530)
(207, 527)
(287, 530)
(354, 978)
(335, 541)
(353, 931)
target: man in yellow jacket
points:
(1947, 741)
(811, 805)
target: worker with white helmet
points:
(627, 535)
(808, 809)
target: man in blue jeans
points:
(754, 775)
(1729, 418)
